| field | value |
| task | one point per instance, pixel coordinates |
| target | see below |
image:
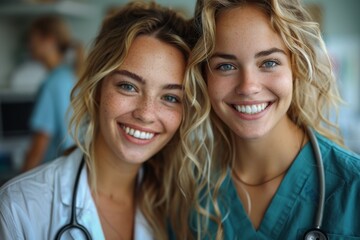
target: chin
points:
(136, 158)
(247, 133)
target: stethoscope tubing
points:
(321, 176)
(73, 224)
(317, 232)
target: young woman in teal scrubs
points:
(267, 74)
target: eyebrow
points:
(130, 75)
(269, 52)
(173, 87)
(141, 80)
(257, 55)
(224, 56)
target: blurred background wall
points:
(341, 31)
(20, 78)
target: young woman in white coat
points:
(127, 108)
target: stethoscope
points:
(73, 224)
(315, 233)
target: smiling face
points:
(249, 76)
(140, 106)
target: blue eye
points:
(269, 64)
(127, 87)
(170, 99)
(225, 67)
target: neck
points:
(115, 178)
(258, 160)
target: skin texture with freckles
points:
(141, 105)
(249, 82)
(143, 95)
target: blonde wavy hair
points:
(315, 93)
(159, 191)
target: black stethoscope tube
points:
(316, 232)
(73, 224)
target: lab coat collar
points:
(67, 180)
(85, 201)
(86, 212)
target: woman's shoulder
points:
(29, 201)
(39, 181)
(339, 161)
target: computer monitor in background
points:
(14, 117)
(15, 112)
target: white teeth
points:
(138, 134)
(254, 108)
(251, 109)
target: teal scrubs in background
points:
(292, 210)
(50, 111)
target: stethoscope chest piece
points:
(315, 234)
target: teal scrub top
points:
(293, 208)
(50, 111)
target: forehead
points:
(154, 60)
(248, 27)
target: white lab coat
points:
(37, 204)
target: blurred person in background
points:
(50, 42)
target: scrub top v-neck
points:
(292, 210)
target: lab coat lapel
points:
(142, 230)
(68, 175)
(86, 213)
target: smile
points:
(251, 109)
(137, 133)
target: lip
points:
(134, 140)
(251, 117)
(138, 128)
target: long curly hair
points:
(315, 94)
(159, 191)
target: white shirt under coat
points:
(37, 204)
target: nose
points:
(248, 83)
(145, 110)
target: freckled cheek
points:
(212, 86)
(111, 105)
(171, 119)
(218, 89)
